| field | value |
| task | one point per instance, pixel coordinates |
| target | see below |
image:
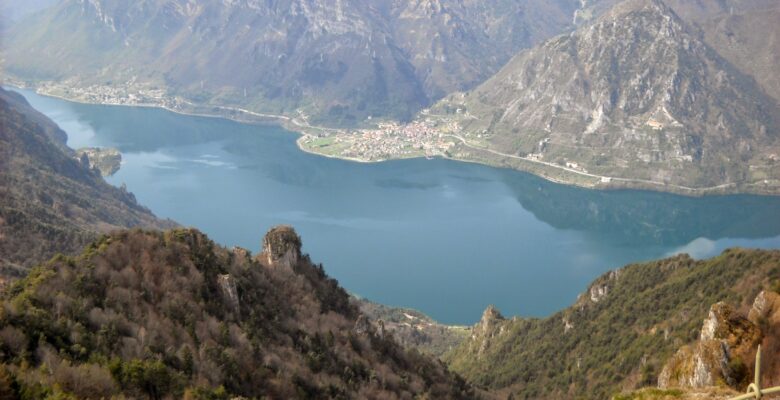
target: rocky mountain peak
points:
(653, 19)
(339, 61)
(631, 6)
(281, 246)
(491, 315)
(490, 319)
(486, 329)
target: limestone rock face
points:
(704, 364)
(723, 323)
(726, 339)
(281, 246)
(712, 393)
(765, 306)
(230, 292)
(490, 318)
(765, 313)
(599, 290)
(487, 328)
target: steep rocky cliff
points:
(281, 246)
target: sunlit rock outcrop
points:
(281, 246)
(727, 343)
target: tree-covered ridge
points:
(170, 314)
(620, 332)
(50, 201)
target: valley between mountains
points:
(625, 293)
(167, 314)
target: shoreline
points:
(543, 169)
(143, 105)
(303, 135)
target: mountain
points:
(744, 32)
(637, 97)
(51, 202)
(621, 331)
(156, 315)
(454, 45)
(336, 61)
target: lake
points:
(444, 237)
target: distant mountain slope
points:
(284, 54)
(634, 95)
(172, 315)
(49, 201)
(413, 329)
(339, 61)
(748, 36)
(619, 333)
(455, 45)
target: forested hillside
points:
(164, 315)
(50, 201)
(620, 332)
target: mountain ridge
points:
(51, 201)
(150, 314)
(619, 333)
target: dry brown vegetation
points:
(150, 315)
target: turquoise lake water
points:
(444, 237)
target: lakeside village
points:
(430, 137)
(128, 94)
(389, 140)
